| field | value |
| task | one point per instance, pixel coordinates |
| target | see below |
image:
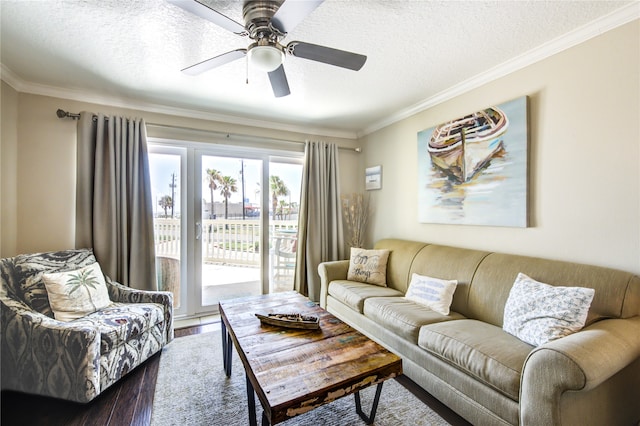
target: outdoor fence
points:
(223, 240)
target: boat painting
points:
(462, 147)
(472, 170)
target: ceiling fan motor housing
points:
(257, 18)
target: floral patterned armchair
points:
(79, 359)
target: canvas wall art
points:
(472, 170)
(373, 178)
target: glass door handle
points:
(198, 230)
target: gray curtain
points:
(114, 210)
(320, 236)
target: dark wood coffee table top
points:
(294, 371)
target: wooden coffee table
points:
(294, 371)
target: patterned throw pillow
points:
(538, 313)
(433, 293)
(23, 274)
(74, 294)
(368, 266)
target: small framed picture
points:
(373, 178)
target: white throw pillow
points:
(433, 293)
(77, 293)
(368, 266)
(538, 313)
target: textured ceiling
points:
(134, 50)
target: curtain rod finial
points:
(64, 114)
(358, 149)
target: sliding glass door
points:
(168, 169)
(285, 177)
(225, 222)
(228, 228)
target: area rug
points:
(192, 389)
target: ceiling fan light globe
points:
(266, 58)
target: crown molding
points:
(595, 28)
(23, 86)
(11, 78)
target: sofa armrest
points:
(578, 362)
(330, 271)
(123, 294)
(48, 357)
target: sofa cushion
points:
(368, 266)
(401, 256)
(482, 350)
(74, 294)
(537, 313)
(353, 294)
(402, 316)
(452, 263)
(616, 292)
(120, 322)
(433, 293)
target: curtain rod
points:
(66, 114)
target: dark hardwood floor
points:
(129, 401)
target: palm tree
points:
(84, 279)
(165, 202)
(228, 186)
(283, 205)
(212, 179)
(278, 188)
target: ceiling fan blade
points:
(214, 62)
(291, 13)
(279, 82)
(209, 14)
(328, 55)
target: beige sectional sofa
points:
(467, 361)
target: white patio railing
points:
(223, 241)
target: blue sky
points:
(162, 166)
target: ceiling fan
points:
(267, 22)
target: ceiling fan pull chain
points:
(246, 69)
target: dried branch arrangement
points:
(355, 210)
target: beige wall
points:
(41, 162)
(584, 160)
(8, 169)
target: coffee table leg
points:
(223, 329)
(227, 347)
(251, 402)
(229, 355)
(370, 418)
